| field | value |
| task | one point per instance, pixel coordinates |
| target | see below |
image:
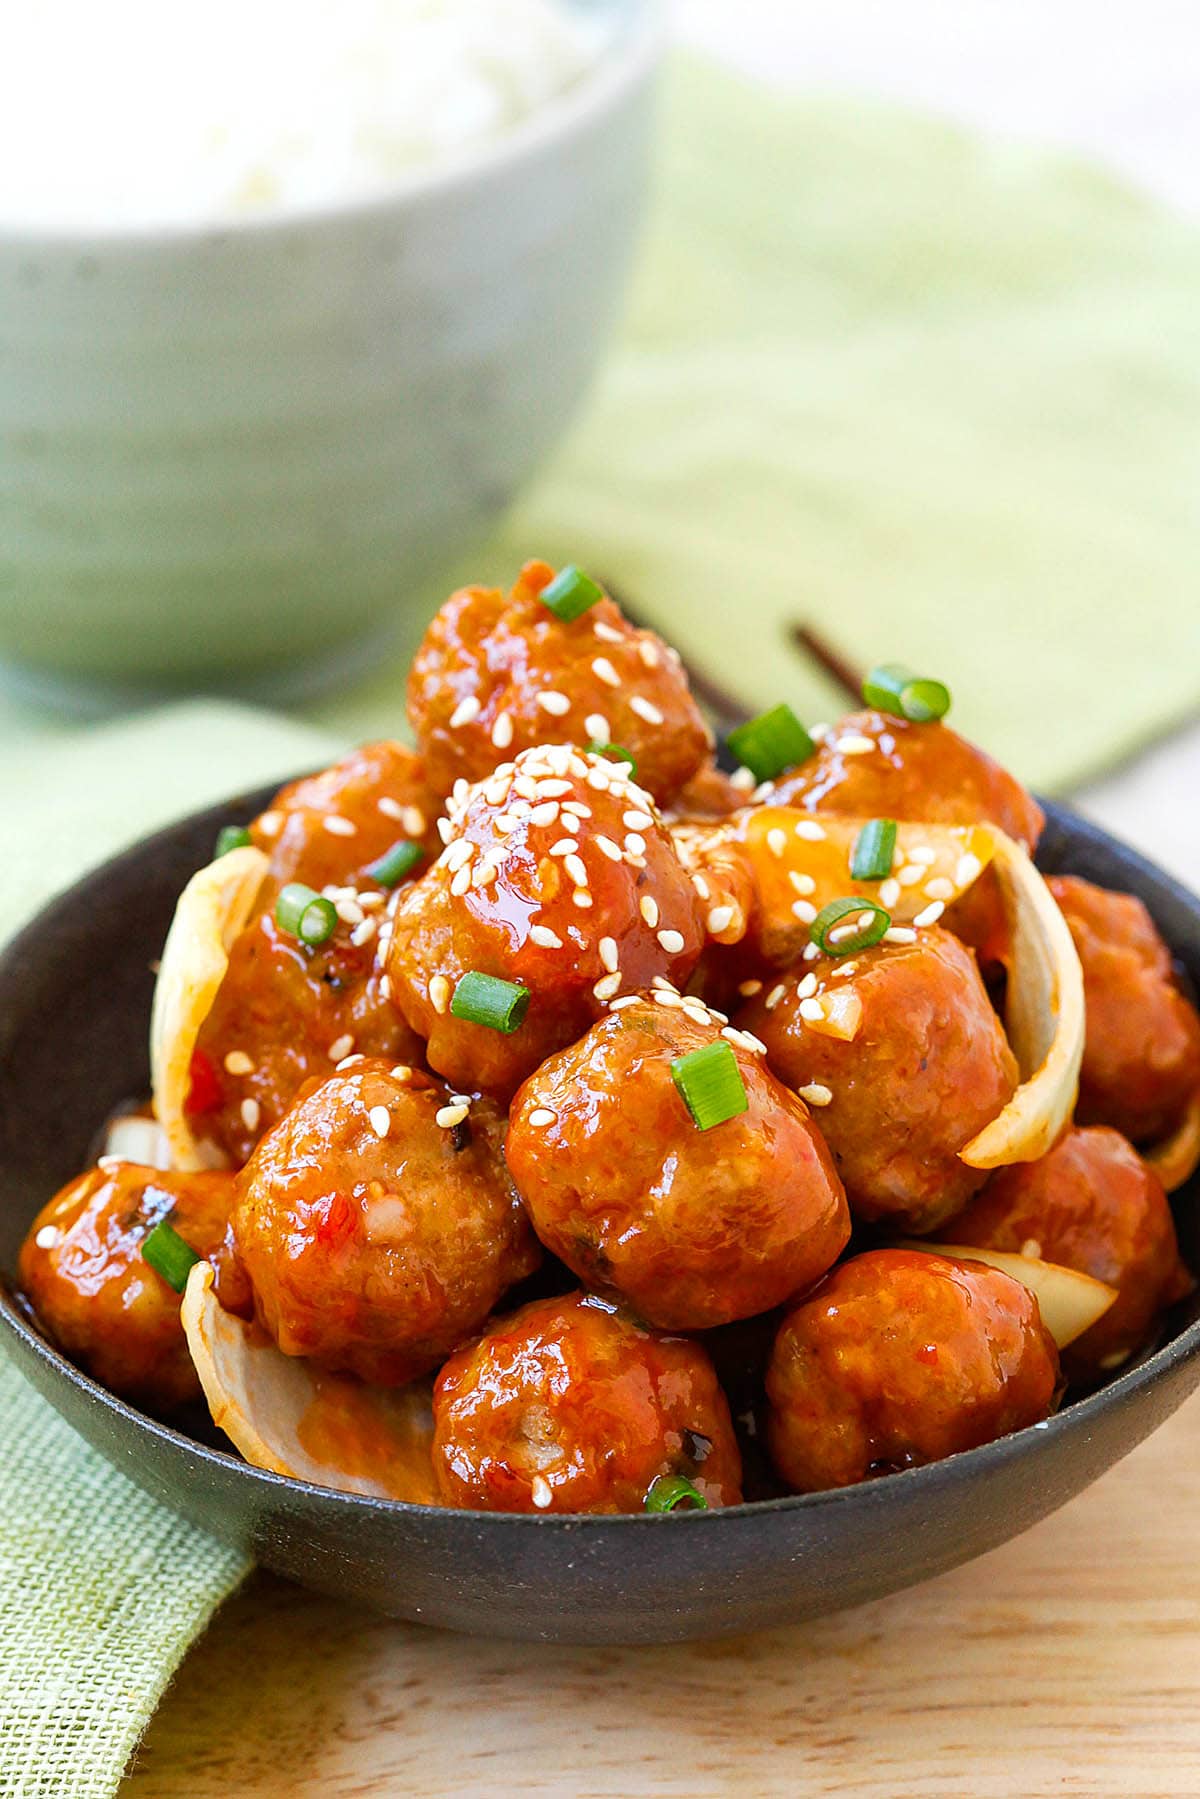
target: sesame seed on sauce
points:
(899, 933)
(380, 1120)
(637, 821)
(646, 709)
(48, 1236)
(816, 1093)
(606, 632)
(466, 710)
(635, 844)
(604, 671)
(608, 848)
(577, 809)
(810, 952)
(854, 744)
(812, 1010)
(939, 888)
(576, 868)
(923, 853)
(540, 1492)
(844, 970)
(745, 1040)
(809, 831)
(889, 892)
(776, 840)
(565, 846)
(349, 1062)
(802, 883)
(743, 780)
(555, 703)
(609, 955)
(720, 919)
(581, 898)
(402, 1073)
(968, 870)
(910, 874)
(445, 829)
(461, 882)
(439, 993)
(390, 808)
(541, 1116)
(460, 851)
(629, 999)
(502, 731)
(596, 726)
(648, 653)
(385, 985)
(806, 989)
(671, 941)
(748, 989)
(931, 914)
(804, 911)
(701, 886)
(238, 1062)
(270, 824)
(648, 907)
(251, 1112)
(337, 826)
(1031, 1249)
(544, 937)
(340, 1047)
(446, 1117)
(546, 813)
(607, 985)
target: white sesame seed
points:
(776, 840)
(889, 892)
(391, 808)
(370, 902)
(577, 809)
(608, 848)
(910, 874)
(773, 998)
(807, 987)
(349, 911)
(931, 914)
(671, 941)
(701, 886)
(815, 1093)
(439, 993)
(606, 633)
(899, 933)
(363, 932)
(385, 985)
(1031, 1249)
(556, 704)
(645, 709)
(844, 970)
(637, 821)
(802, 883)
(609, 955)
(502, 731)
(597, 778)
(525, 784)
(48, 1236)
(968, 870)
(854, 744)
(544, 937)
(812, 1009)
(544, 814)
(820, 731)
(251, 1112)
(745, 1040)
(460, 792)
(341, 1046)
(337, 826)
(648, 653)
(581, 898)
(460, 851)
(542, 1116)
(461, 882)
(576, 868)
(719, 919)
(924, 854)
(940, 888)
(380, 1120)
(483, 874)
(748, 989)
(402, 1073)
(446, 1117)
(743, 780)
(466, 710)
(445, 829)
(565, 846)
(596, 726)
(663, 996)
(648, 907)
(607, 985)
(604, 671)
(804, 910)
(553, 789)
(270, 823)
(809, 830)
(238, 1062)
(629, 999)
(635, 844)
(539, 1492)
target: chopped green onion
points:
(571, 594)
(169, 1255)
(395, 863)
(305, 914)
(771, 743)
(849, 941)
(710, 1083)
(670, 1490)
(874, 850)
(487, 1000)
(893, 688)
(231, 837)
(615, 753)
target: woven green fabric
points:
(937, 397)
(101, 1588)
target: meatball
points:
(1094, 1205)
(694, 1228)
(709, 795)
(559, 876)
(570, 1406)
(81, 1266)
(900, 1049)
(287, 1013)
(497, 675)
(900, 1358)
(923, 771)
(328, 828)
(378, 1225)
(1141, 1058)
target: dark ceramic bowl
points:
(77, 986)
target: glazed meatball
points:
(693, 1228)
(559, 876)
(1094, 1205)
(328, 828)
(81, 1267)
(570, 1406)
(378, 1225)
(497, 675)
(901, 1051)
(900, 1358)
(922, 771)
(710, 794)
(1141, 1058)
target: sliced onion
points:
(286, 1415)
(213, 908)
(1178, 1156)
(1070, 1302)
(1044, 1017)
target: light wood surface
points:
(1067, 1662)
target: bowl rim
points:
(625, 61)
(1117, 1393)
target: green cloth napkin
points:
(938, 397)
(101, 1588)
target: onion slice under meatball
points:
(213, 908)
(1070, 1302)
(1043, 1016)
(290, 1417)
(1178, 1156)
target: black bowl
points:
(77, 985)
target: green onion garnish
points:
(305, 914)
(571, 593)
(395, 863)
(848, 941)
(231, 837)
(487, 1000)
(874, 850)
(169, 1255)
(771, 743)
(615, 752)
(893, 688)
(670, 1490)
(710, 1082)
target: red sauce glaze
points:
(105, 1306)
(521, 859)
(573, 1394)
(1141, 1058)
(1094, 1205)
(900, 1358)
(377, 1255)
(504, 652)
(694, 1228)
(928, 1067)
(709, 794)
